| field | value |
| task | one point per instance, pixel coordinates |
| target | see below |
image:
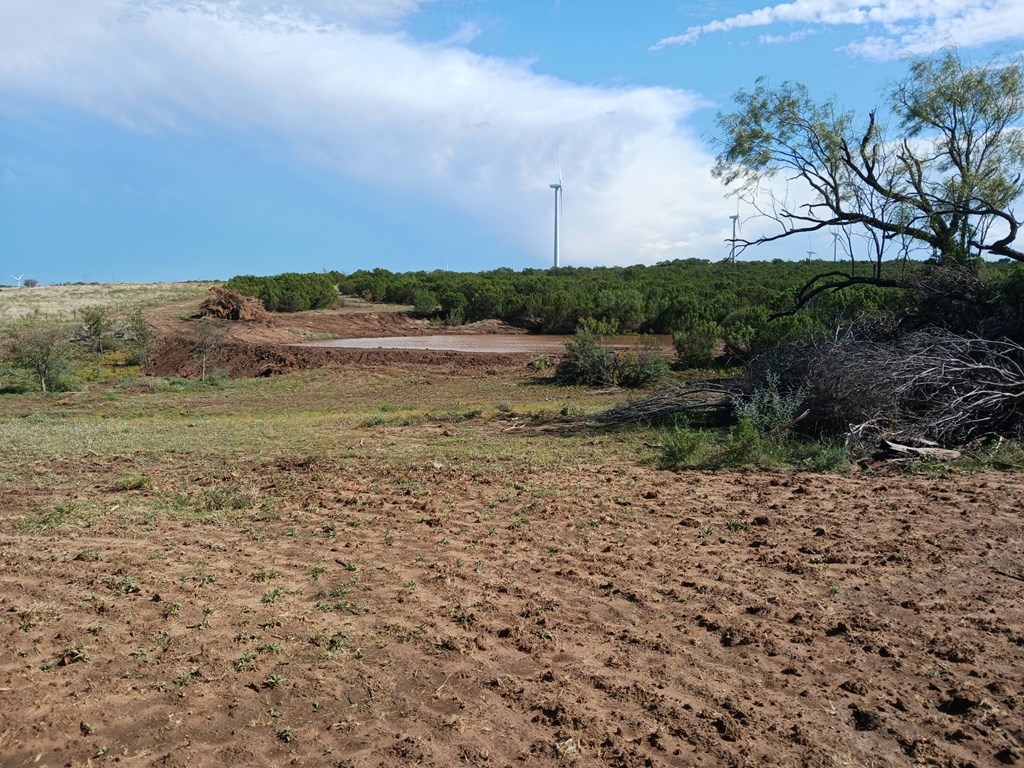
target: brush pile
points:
(700, 398)
(927, 386)
(225, 304)
(930, 387)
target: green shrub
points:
(819, 456)
(640, 367)
(695, 343)
(97, 328)
(288, 292)
(586, 361)
(685, 447)
(424, 301)
(770, 334)
(42, 349)
(768, 409)
(138, 339)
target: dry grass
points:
(64, 302)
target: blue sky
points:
(187, 139)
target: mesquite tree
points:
(938, 171)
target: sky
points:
(158, 140)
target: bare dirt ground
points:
(264, 349)
(262, 575)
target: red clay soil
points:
(440, 616)
(338, 610)
(268, 347)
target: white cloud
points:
(892, 27)
(347, 12)
(415, 120)
(792, 37)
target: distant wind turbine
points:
(558, 207)
(18, 278)
(732, 250)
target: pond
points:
(496, 343)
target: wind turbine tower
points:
(18, 278)
(732, 250)
(558, 209)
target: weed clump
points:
(587, 361)
(760, 437)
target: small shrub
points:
(97, 328)
(768, 408)
(695, 343)
(44, 350)
(640, 367)
(138, 339)
(586, 361)
(684, 447)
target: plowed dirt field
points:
(413, 562)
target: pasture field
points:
(64, 302)
(419, 563)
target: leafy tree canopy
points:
(943, 180)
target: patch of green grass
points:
(246, 662)
(273, 681)
(48, 520)
(262, 575)
(133, 483)
(186, 679)
(126, 585)
(742, 446)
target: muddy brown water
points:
(497, 343)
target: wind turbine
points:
(558, 207)
(18, 278)
(732, 249)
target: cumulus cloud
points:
(349, 12)
(324, 81)
(892, 27)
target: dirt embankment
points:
(186, 341)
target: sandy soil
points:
(339, 610)
(635, 618)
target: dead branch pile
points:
(231, 305)
(702, 397)
(930, 385)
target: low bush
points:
(640, 367)
(44, 351)
(586, 360)
(289, 292)
(695, 343)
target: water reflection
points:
(497, 343)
